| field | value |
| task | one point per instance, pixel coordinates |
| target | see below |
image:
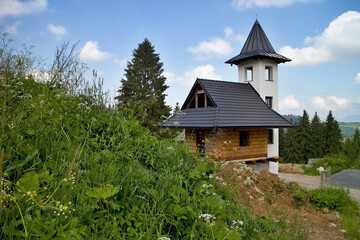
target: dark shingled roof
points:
(257, 45)
(236, 105)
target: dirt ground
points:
(268, 195)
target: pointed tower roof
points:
(257, 45)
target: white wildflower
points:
(164, 238)
(207, 217)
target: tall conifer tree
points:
(332, 135)
(143, 87)
(318, 138)
(290, 146)
(303, 137)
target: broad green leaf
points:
(29, 182)
(102, 192)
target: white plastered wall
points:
(264, 88)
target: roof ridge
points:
(224, 81)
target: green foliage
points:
(300, 194)
(338, 162)
(143, 88)
(331, 198)
(102, 192)
(310, 140)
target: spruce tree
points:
(143, 88)
(303, 137)
(290, 149)
(318, 138)
(333, 136)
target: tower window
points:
(249, 74)
(268, 101)
(268, 73)
(244, 138)
(270, 136)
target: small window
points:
(270, 136)
(249, 74)
(268, 73)
(201, 100)
(244, 138)
(268, 101)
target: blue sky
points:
(195, 38)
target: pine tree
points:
(143, 87)
(332, 135)
(303, 137)
(318, 138)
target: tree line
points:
(316, 139)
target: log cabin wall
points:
(225, 143)
(190, 137)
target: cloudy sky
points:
(195, 38)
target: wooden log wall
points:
(224, 143)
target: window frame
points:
(268, 74)
(251, 70)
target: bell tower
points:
(258, 65)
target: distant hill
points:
(292, 118)
(347, 128)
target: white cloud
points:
(357, 78)
(329, 103)
(217, 46)
(319, 102)
(230, 35)
(56, 30)
(289, 103)
(189, 77)
(339, 41)
(17, 8)
(246, 4)
(12, 28)
(92, 52)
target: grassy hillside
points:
(74, 169)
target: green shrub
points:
(338, 162)
(331, 198)
(300, 194)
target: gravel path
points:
(311, 182)
(349, 178)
